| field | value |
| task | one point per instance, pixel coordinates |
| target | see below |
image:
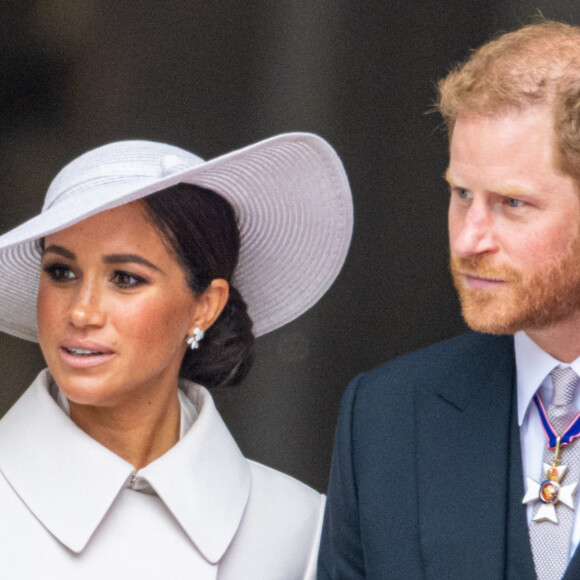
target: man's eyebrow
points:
(448, 179)
(128, 259)
(512, 192)
(54, 249)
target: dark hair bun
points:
(225, 355)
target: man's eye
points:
(463, 193)
(515, 202)
(59, 273)
(127, 280)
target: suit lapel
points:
(519, 561)
(573, 570)
(464, 463)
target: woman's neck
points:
(138, 432)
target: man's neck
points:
(561, 340)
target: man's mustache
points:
(480, 267)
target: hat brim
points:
(294, 209)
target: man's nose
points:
(474, 234)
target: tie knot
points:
(565, 381)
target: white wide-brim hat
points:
(290, 194)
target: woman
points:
(107, 468)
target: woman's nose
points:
(87, 306)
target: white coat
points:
(67, 510)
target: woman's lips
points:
(83, 354)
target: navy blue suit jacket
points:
(426, 477)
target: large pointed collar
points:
(66, 479)
(204, 480)
(69, 481)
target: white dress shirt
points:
(533, 374)
(72, 509)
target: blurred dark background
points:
(214, 76)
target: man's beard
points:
(523, 302)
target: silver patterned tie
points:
(550, 541)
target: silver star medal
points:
(550, 492)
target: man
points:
(435, 452)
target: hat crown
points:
(121, 164)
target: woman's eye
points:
(126, 280)
(59, 273)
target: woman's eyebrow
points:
(60, 251)
(129, 258)
(108, 259)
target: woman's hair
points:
(200, 228)
(537, 65)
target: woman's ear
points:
(210, 303)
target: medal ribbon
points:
(568, 436)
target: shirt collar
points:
(533, 366)
(69, 481)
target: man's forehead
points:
(502, 139)
(508, 119)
